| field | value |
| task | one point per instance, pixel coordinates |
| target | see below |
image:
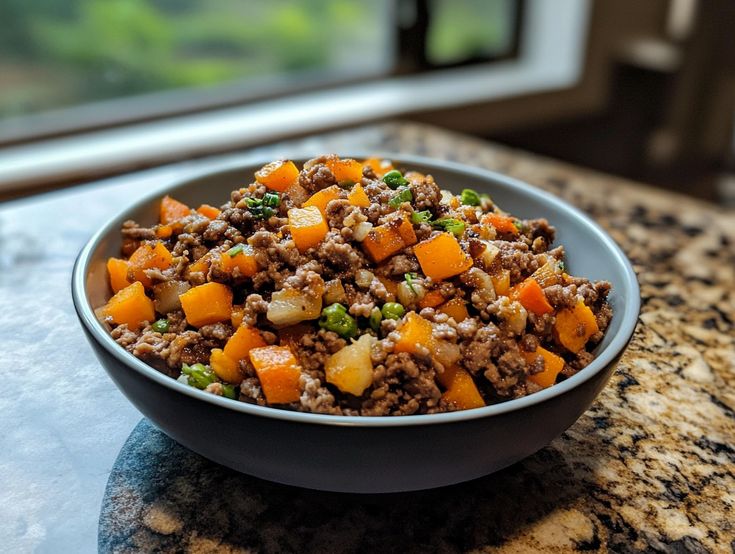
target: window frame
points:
(550, 57)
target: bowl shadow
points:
(163, 497)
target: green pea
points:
(335, 318)
(403, 195)
(470, 197)
(394, 179)
(393, 310)
(161, 326)
(375, 318)
(198, 375)
(228, 391)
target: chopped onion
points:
(364, 278)
(334, 292)
(408, 295)
(361, 230)
(166, 295)
(289, 306)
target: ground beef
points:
(492, 341)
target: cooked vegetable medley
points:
(353, 288)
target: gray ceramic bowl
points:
(366, 454)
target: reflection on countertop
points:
(650, 467)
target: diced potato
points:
(289, 306)
(351, 369)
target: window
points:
(173, 56)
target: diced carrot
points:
(207, 303)
(130, 306)
(118, 271)
(531, 296)
(278, 372)
(243, 341)
(236, 316)
(502, 223)
(345, 170)
(243, 260)
(431, 299)
(575, 326)
(553, 365)
(308, 227)
(441, 257)
(462, 391)
(149, 257)
(382, 242)
(164, 231)
(388, 239)
(277, 175)
(226, 367)
(446, 377)
(199, 266)
(358, 197)
(380, 167)
(405, 229)
(501, 282)
(208, 211)
(415, 332)
(455, 308)
(172, 210)
(323, 197)
(390, 285)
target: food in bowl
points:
(353, 288)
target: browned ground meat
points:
(499, 340)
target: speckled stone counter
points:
(649, 468)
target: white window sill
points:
(554, 35)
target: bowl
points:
(352, 453)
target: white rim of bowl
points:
(630, 308)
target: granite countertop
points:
(650, 467)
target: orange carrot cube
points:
(455, 308)
(244, 260)
(208, 211)
(358, 197)
(118, 271)
(225, 367)
(441, 257)
(462, 391)
(323, 197)
(278, 373)
(553, 365)
(206, 304)
(277, 175)
(308, 227)
(345, 170)
(149, 257)
(242, 342)
(130, 306)
(575, 326)
(172, 210)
